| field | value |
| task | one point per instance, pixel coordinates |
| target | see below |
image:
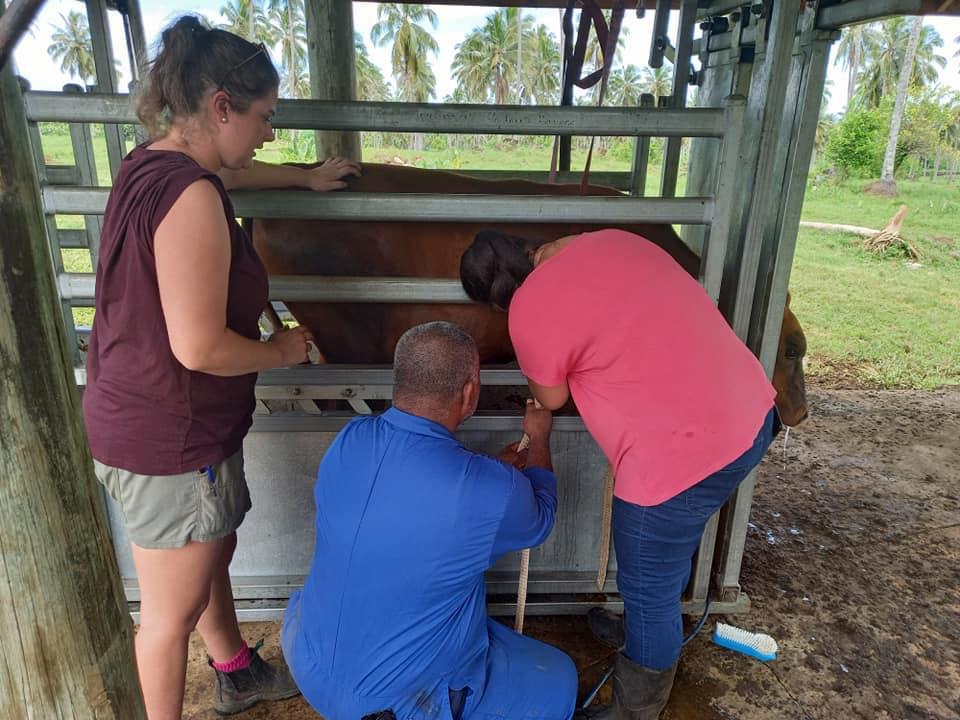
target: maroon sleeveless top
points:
(144, 411)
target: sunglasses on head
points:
(261, 50)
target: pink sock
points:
(237, 662)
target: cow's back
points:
(367, 332)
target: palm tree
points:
(658, 82)
(854, 45)
(400, 24)
(626, 86)
(287, 17)
(371, 84)
(887, 182)
(73, 48)
(540, 75)
(485, 63)
(886, 57)
(247, 19)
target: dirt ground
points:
(852, 563)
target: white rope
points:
(524, 565)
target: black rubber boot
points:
(639, 693)
(237, 691)
(607, 627)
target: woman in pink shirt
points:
(680, 407)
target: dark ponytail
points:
(194, 60)
(494, 266)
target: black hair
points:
(494, 266)
(195, 59)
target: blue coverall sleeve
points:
(530, 512)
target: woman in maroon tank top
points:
(175, 349)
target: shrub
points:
(857, 144)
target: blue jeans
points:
(655, 546)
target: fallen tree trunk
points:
(852, 229)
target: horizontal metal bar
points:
(721, 7)
(550, 582)
(618, 180)
(366, 290)
(724, 41)
(292, 422)
(62, 174)
(79, 289)
(72, 239)
(323, 392)
(272, 609)
(411, 117)
(527, 4)
(372, 375)
(375, 376)
(575, 605)
(423, 207)
(257, 596)
(858, 11)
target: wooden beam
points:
(333, 76)
(13, 23)
(68, 637)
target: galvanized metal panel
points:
(423, 207)
(276, 539)
(412, 117)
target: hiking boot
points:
(607, 627)
(236, 691)
(639, 693)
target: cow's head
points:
(788, 372)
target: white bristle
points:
(758, 641)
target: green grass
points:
(876, 321)
(932, 223)
(880, 322)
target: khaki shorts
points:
(169, 511)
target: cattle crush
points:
(760, 68)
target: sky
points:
(454, 23)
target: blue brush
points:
(756, 645)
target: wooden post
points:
(333, 69)
(68, 638)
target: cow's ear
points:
(788, 298)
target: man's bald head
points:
(431, 365)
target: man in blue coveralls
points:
(392, 616)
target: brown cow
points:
(367, 332)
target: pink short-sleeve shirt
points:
(665, 387)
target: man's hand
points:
(329, 176)
(513, 455)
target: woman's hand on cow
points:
(330, 175)
(292, 345)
